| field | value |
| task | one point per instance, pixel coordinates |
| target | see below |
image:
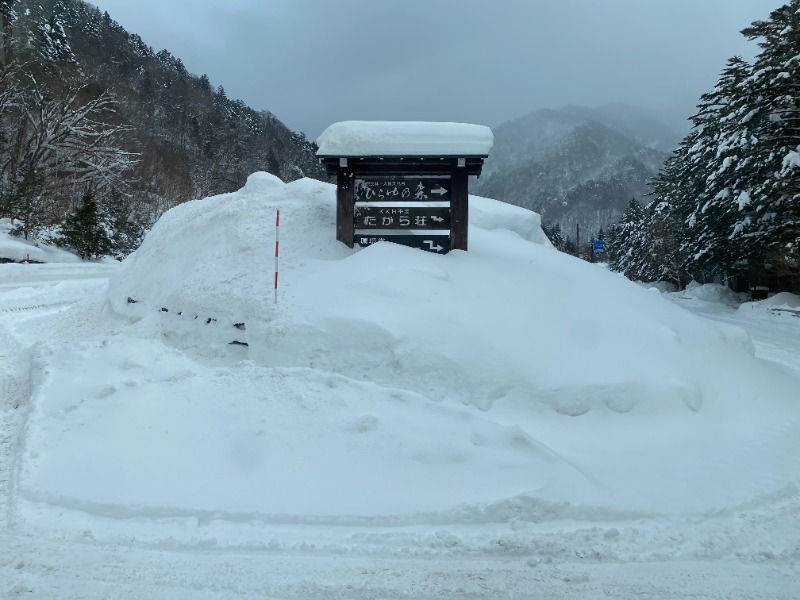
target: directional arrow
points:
(439, 190)
(436, 248)
(437, 219)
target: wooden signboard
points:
(432, 243)
(394, 197)
(402, 217)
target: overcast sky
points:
(315, 62)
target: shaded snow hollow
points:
(392, 381)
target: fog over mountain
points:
(580, 165)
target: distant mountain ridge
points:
(578, 165)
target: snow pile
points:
(783, 304)
(782, 300)
(710, 292)
(19, 249)
(398, 138)
(262, 183)
(394, 383)
(662, 287)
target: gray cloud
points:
(314, 62)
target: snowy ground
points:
(585, 438)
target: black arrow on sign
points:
(436, 248)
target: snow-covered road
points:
(512, 549)
(776, 336)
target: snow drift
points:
(391, 381)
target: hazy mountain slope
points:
(653, 129)
(189, 138)
(576, 165)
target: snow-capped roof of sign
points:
(405, 138)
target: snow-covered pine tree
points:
(770, 217)
(719, 171)
(665, 252)
(83, 231)
(735, 179)
(676, 187)
(630, 245)
(611, 252)
(555, 236)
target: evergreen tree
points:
(84, 232)
(666, 258)
(770, 218)
(555, 236)
(630, 236)
(611, 251)
(722, 168)
(733, 184)
(126, 226)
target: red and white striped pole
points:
(277, 238)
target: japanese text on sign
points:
(406, 217)
(377, 189)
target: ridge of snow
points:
(403, 138)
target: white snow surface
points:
(19, 249)
(782, 300)
(712, 292)
(506, 422)
(399, 138)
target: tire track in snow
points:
(15, 393)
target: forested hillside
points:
(90, 114)
(727, 201)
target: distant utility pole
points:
(577, 239)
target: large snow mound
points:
(392, 381)
(509, 318)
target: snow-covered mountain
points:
(578, 165)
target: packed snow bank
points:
(710, 292)
(783, 304)
(391, 381)
(214, 257)
(397, 138)
(262, 182)
(19, 249)
(782, 300)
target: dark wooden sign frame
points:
(455, 170)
